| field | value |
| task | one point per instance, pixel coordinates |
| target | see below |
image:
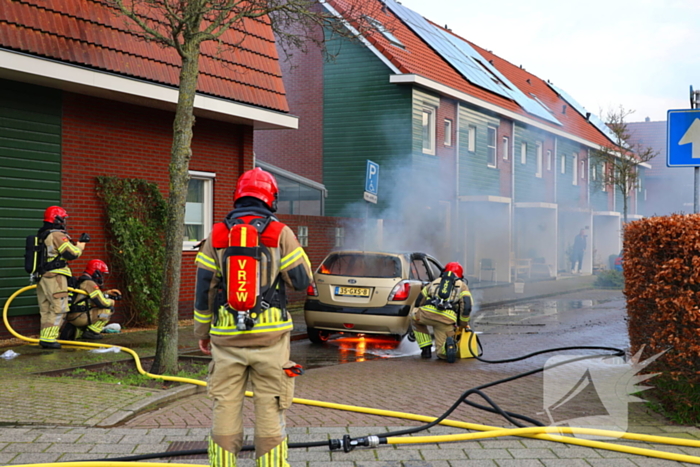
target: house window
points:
(574, 170)
(303, 235)
(198, 208)
(339, 236)
(603, 172)
(583, 169)
(523, 153)
(448, 132)
(594, 172)
(472, 138)
(429, 131)
(563, 164)
(506, 147)
(549, 160)
(539, 160)
(491, 147)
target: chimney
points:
(647, 119)
(588, 115)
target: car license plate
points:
(352, 291)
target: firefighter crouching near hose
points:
(444, 304)
(90, 312)
(251, 346)
(52, 289)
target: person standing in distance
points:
(52, 289)
(252, 345)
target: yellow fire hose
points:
(545, 433)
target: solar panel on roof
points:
(467, 61)
(597, 122)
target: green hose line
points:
(544, 433)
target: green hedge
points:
(662, 286)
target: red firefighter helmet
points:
(97, 269)
(454, 267)
(258, 184)
(55, 215)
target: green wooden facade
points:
(475, 175)
(364, 117)
(30, 177)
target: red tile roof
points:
(417, 57)
(244, 67)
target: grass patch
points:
(126, 374)
(610, 279)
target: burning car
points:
(363, 292)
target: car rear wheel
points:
(318, 336)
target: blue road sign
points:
(372, 181)
(683, 138)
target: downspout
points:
(511, 240)
(456, 228)
(555, 156)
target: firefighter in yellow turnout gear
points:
(90, 312)
(444, 304)
(52, 289)
(249, 346)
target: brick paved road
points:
(406, 384)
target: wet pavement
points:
(376, 373)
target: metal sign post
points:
(683, 141)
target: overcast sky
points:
(641, 54)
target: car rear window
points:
(361, 265)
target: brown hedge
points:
(662, 286)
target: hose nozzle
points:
(348, 444)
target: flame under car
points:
(363, 292)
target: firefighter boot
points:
(450, 349)
(89, 334)
(47, 338)
(426, 352)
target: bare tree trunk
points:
(166, 347)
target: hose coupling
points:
(348, 444)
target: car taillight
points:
(311, 290)
(400, 292)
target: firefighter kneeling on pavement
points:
(444, 304)
(91, 311)
(242, 321)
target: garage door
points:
(30, 178)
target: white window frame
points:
(563, 163)
(491, 138)
(505, 147)
(207, 206)
(472, 139)
(428, 121)
(574, 169)
(303, 235)
(549, 160)
(540, 162)
(523, 153)
(448, 133)
(604, 172)
(339, 236)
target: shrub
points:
(662, 286)
(136, 222)
(610, 278)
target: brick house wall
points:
(103, 137)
